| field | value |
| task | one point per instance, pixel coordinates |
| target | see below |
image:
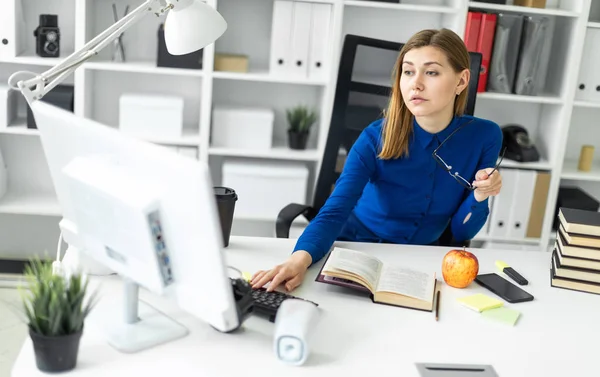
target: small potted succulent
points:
(55, 307)
(300, 120)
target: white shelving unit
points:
(556, 121)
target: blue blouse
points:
(409, 200)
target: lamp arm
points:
(45, 82)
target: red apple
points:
(459, 268)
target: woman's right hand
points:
(290, 272)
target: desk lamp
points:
(189, 26)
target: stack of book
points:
(576, 255)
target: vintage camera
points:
(47, 34)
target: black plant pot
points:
(55, 353)
(297, 140)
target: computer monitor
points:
(148, 214)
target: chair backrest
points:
(358, 102)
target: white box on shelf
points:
(264, 188)
(151, 115)
(8, 105)
(242, 127)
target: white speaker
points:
(294, 325)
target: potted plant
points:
(55, 312)
(300, 120)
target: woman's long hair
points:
(397, 126)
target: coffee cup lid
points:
(225, 193)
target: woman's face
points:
(428, 82)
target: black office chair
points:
(349, 119)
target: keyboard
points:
(267, 303)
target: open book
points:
(392, 285)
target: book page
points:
(356, 262)
(407, 282)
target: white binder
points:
(503, 203)
(320, 37)
(281, 36)
(521, 206)
(589, 77)
(300, 38)
(12, 42)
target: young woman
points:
(423, 166)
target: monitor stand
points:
(131, 325)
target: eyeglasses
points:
(454, 174)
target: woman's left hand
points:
(487, 185)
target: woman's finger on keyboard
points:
(256, 275)
(291, 284)
(263, 278)
(281, 276)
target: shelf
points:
(275, 153)
(539, 165)
(519, 98)
(30, 204)
(264, 76)
(570, 171)
(34, 60)
(589, 104)
(190, 137)
(520, 9)
(402, 7)
(19, 127)
(142, 67)
(594, 25)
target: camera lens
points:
(51, 36)
(51, 47)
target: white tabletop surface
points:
(555, 335)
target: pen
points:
(437, 306)
(511, 273)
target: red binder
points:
(472, 30)
(485, 44)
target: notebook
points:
(580, 221)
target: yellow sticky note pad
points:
(504, 315)
(480, 302)
(246, 276)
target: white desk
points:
(555, 335)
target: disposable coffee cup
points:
(226, 199)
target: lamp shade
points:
(191, 25)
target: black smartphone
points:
(503, 288)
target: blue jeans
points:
(355, 231)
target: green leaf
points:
(54, 304)
(300, 118)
